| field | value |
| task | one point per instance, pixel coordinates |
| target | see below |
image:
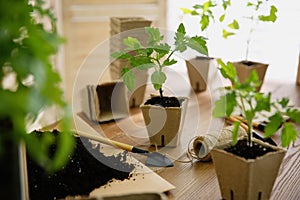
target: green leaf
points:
(169, 62)
(262, 102)
(272, 17)
(194, 12)
(225, 105)
(138, 61)
(249, 4)
(284, 102)
(294, 114)
(132, 43)
(197, 6)
(273, 125)
(198, 43)
(181, 29)
(235, 132)
(253, 80)
(120, 55)
(186, 10)
(128, 78)
(221, 19)
(234, 25)
(226, 3)
(228, 71)
(226, 33)
(158, 78)
(162, 50)
(288, 134)
(204, 22)
(154, 36)
(180, 43)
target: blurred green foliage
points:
(27, 48)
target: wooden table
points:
(198, 180)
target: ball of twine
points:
(203, 144)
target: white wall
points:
(277, 44)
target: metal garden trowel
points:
(154, 159)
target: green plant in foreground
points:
(156, 54)
(250, 102)
(28, 83)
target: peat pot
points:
(105, 102)
(198, 72)
(247, 179)
(244, 69)
(121, 28)
(164, 125)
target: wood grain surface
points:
(198, 180)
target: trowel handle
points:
(103, 140)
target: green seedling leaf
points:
(120, 55)
(186, 10)
(249, 4)
(226, 3)
(228, 71)
(272, 17)
(132, 43)
(235, 132)
(294, 114)
(154, 36)
(169, 62)
(234, 25)
(262, 102)
(253, 80)
(158, 78)
(284, 102)
(221, 19)
(140, 60)
(289, 134)
(207, 5)
(198, 43)
(181, 29)
(180, 38)
(197, 6)
(162, 50)
(225, 105)
(194, 12)
(204, 22)
(226, 33)
(128, 78)
(274, 124)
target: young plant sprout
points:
(157, 55)
(250, 103)
(219, 12)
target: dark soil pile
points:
(243, 150)
(164, 101)
(80, 176)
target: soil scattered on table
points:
(243, 150)
(80, 176)
(164, 101)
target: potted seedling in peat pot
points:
(163, 115)
(245, 67)
(198, 67)
(231, 24)
(247, 167)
